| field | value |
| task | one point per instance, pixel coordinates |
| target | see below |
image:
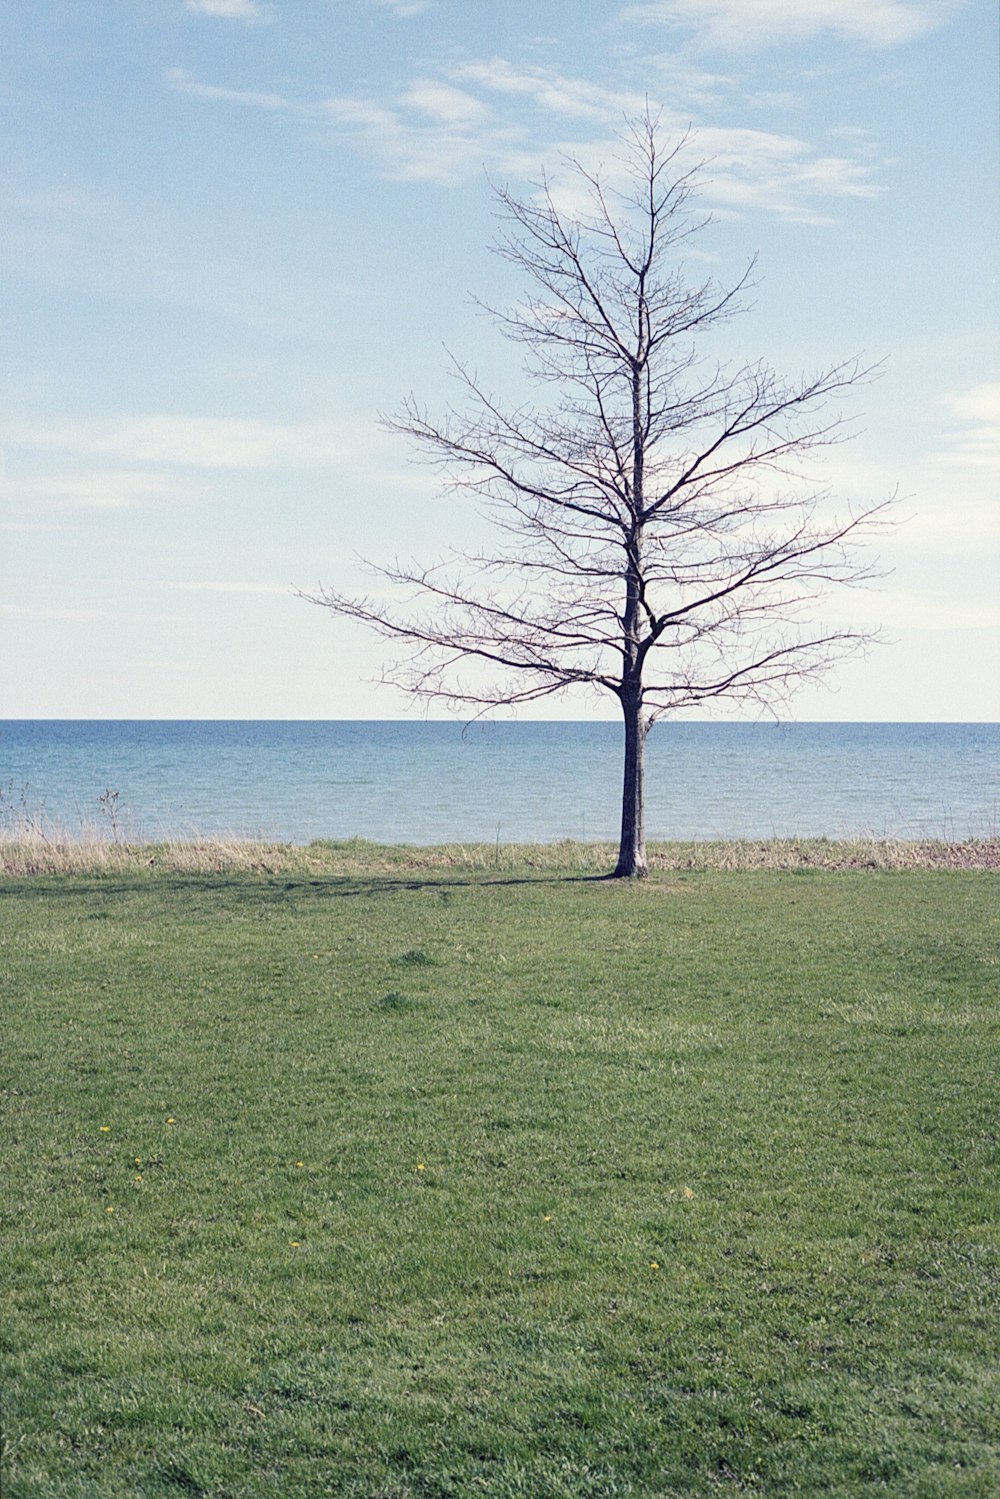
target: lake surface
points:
(418, 782)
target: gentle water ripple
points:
(405, 782)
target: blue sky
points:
(237, 230)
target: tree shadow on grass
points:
(274, 890)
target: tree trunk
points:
(632, 849)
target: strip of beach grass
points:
(450, 1172)
(95, 855)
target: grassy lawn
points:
(442, 1181)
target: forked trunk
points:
(632, 849)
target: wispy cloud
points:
(549, 90)
(91, 489)
(186, 442)
(181, 80)
(912, 609)
(40, 612)
(227, 587)
(231, 10)
(735, 25)
(444, 103)
(445, 129)
(405, 8)
(780, 173)
(976, 442)
(432, 131)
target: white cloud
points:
(780, 173)
(675, 76)
(734, 25)
(35, 611)
(94, 489)
(980, 403)
(446, 129)
(190, 442)
(433, 131)
(549, 90)
(951, 521)
(181, 80)
(230, 10)
(405, 8)
(917, 609)
(221, 586)
(444, 103)
(977, 444)
(945, 510)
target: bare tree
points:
(656, 539)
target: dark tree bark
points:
(632, 845)
(657, 538)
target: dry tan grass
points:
(26, 855)
(821, 853)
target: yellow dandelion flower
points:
(109, 1210)
(421, 1166)
(171, 1121)
(105, 1128)
(295, 1243)
(300, 1163)
(546, 1217)
(654, 1264)
(138, 1160)
(688, 1192)
(138, 1178)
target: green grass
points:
(458, 1181)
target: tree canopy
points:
(656, 537)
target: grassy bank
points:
(402, 1174)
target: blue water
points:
(421, 782)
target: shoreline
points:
(39, 855)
